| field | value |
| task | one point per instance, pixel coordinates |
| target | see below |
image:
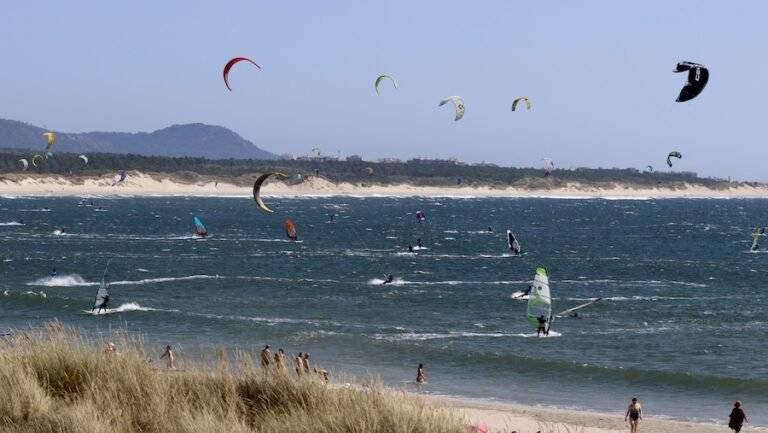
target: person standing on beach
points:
(737, 418)
(421, 378)
(168, 354)
(305, 362)
(266, 357)
(299, 363)
(280, 361)
(634, 415)
(110, 350)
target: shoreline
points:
(146, 185)
(508, 417)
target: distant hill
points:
(189, 140)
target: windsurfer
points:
(103, 305)
(542, 326)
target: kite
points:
(674, 154)
(522, 98)
(381, 78)
(232, 62)
(257, 189)
(698, 75)
(458, 104)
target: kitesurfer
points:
(389, 279)
(542, 325)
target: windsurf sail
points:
(512, 242)
(540, 301)
(102, 296)
(756, 238)
(578, 307)
(200, 229)
(290, 229)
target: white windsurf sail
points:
(578, 307)
(540, 301)
(756, 238)
(512, 242)
(102, 295)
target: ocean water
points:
(682, 324)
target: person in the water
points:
(542, 325)
(490, 229)
(389, 279)
(410, 248)
(419, 244)
(53, 273)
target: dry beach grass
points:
(55, 380)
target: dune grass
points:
(54, 380)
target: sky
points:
(599, 74)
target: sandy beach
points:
(141, 184)
(507, 418)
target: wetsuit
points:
(542, 325)
(389, 279)
(103, 304)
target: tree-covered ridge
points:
(415, 172)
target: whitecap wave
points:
(11, 223)
(71, 280)
(123, 308)
(163, 280)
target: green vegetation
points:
(415, 172)
(54, 380)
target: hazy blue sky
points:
(599, 74)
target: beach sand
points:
(141, 184)
(507, 418)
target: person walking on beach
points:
(737, 418)
(305, 362)
(168, 354)
(299, 363)
(634, 415)
(266, 357)
(421, 378)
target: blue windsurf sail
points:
(200, 229)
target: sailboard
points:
(578, 307)
(200, 229)
(540, 301)
(512, 243)
(102, 295)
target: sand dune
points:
(141, 184)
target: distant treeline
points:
(416, 172)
